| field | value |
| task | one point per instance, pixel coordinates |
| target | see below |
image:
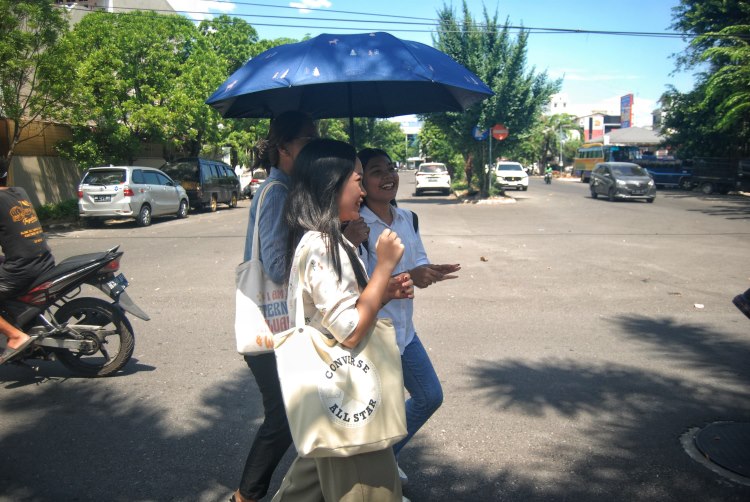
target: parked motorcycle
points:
(548, 178)
(90, 336)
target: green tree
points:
(233, 39)
(713, 119)
(437, 147)
(143, 77)
(548, 135)
(31, 87)
(489, 50)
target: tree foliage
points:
(132, 78)
(30, 83)
(489, 50)
(713, 119)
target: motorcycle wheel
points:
(109, 330)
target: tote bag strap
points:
(299, 312)
(255, 254)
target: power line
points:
(433, 25)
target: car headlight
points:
(650, 183)
(621, 183)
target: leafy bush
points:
(65, 210)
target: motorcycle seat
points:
(68, 265)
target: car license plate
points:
(638, 192)
(102, 198)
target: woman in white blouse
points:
(338, 300)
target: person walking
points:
(288, 133)
(340, 301)
(381, 181)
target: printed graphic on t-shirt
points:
(24, 214)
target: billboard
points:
(626, 111)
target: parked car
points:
(259, 176)
(207, 182)
(511, 175)
(129, 192)
(667, 172)
(622, 180)
(433, 176)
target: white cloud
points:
(304, 6)
(199, 11)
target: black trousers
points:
(273, 437)
(17, 275)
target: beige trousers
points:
(369, 477)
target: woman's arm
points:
(389, 250)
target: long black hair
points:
(320, 172)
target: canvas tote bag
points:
(339, 401)
(260, 303)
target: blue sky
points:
(596, 69)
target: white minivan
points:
(129, 192)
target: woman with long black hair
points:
(338, 300)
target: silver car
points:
(622, 180)
(129, 192)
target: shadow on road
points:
(84, 441)
(632, 418)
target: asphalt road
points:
(582, 339)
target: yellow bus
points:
(592, 153)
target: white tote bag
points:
(340, 401)
(260, 303)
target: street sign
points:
(480, 134)
(499, 132)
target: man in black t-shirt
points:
(26, 257)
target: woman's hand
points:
(399, 287)
(389, 249)
(356, 231)
(426, 275)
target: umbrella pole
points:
(352, 139)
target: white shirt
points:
(330, 305)
(401, 312)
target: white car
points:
(433, 176)
(511, 175)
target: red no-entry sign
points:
(499, 132)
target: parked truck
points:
(720, 175)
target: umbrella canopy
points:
(361, 75)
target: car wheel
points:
(418, 192)
(594, 195)
(686, 184)
(144, 216)
(233, 201)
(524, 188)
(707, 188)
(611, 194)
(650, 201)
(183, 210)
(213, 204)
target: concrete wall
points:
(47, 180)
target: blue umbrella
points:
(361, 75)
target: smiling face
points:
(380, 179)
(351, 194)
